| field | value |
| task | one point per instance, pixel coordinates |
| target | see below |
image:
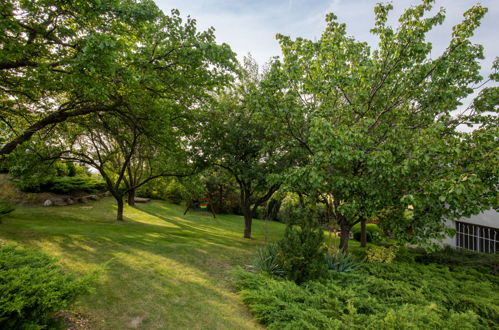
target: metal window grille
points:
(477, 238)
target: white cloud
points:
(251, 25)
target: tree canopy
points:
(380, 126)
(61, 60)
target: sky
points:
(250, 26)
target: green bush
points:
(61, 185)
(302, 251)
(373, 232)
(380, 296)
(266, 260)
(381, 254)
(33, 288)
(68, 184)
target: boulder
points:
(48, 202)
(93, 197)
(141, 200)
(81, 199)
(59, 202)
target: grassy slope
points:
(165, 270)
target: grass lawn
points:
(163, 270)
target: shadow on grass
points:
(166, 270)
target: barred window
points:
(477, 238)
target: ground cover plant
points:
(33, 288)
(380, 296)
(163, 270)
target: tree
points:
(64, 59)
(235, 136)
(122, 98)
(379, 127)
(126, 154)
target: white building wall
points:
(488, 218)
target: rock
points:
(106, 194)
(48, 202)
(93, 197)
(141, 200)
(59, 202)
(70, 201)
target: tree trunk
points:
(344, 236)
(248, 219)
(119, 215)
(363, 233)
(131, 197)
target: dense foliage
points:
(378, 129)
(235, 136)
(382, 296)
(33, 288)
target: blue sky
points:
(251, 26)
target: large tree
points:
(380, 127)
(64, 59)
(118, 94)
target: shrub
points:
(380, 296)
(373, 232)
(341, 262)
(381, 254)
(33, 288)
(302, 250)
(68, 184)
(266, 260)
(61, 185)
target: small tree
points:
(302, 250)
(235, 136)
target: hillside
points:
(162, 270)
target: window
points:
(477, 238)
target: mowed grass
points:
(162, 270)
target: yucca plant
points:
(341, 262)
(266, 260)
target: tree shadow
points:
(176, 265)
